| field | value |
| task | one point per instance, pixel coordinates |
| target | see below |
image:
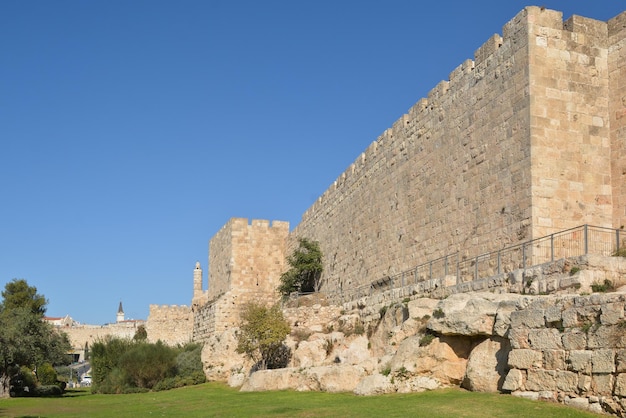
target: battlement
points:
(492, 60)
(490, 157)
(172, 324)
(248, 253)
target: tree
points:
(141, 334)
(18, 294)
(25, 339)
(305, 269)
(262, 333)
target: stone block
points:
(600, 337)
(554, 360)
(603, 361)
(527, 319)
(576, 402)
(620, 361)
(612, 313)
(620, 385)
(514, 380)
(553, 314)
(575, 340)
(602, 384)
(584, 383)
(566, 381)
(580, 361)
(525, 359)
(570, 318)
(539, 379)
(545, 339)
(533, 396)
(519, 337)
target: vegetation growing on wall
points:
(305, 269)
(262, 334)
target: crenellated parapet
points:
(518, 143)
(172, 324)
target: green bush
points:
(426, 340)
(146, 364)
(131, 366)
(188, 360)
(606, 286)
(48, 390)
(46, 375)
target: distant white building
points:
(65, 321)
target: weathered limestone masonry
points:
(81, 335)
(617, 116)
(170, 324)
(526, 140)
(572, 350)
(245, 264)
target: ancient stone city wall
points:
(572, 347)
(245, 264)
(88, 334)
(516, 145)
(171, 324)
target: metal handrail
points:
(572, 242)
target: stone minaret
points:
(197, 281)
(199, 297)
(120, 313)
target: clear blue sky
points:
(131, 131)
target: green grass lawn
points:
(218, 400)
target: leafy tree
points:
(305, 269)
(18, 294)
(141, 334)
(262, 333)
(25, 339)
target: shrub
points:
(359, 329)
(189, 361)
(574, 270)
(48, 390)
(426, 340)
(606, 286)
(131, 366)
(46, 375)
(386, 370)
(263, 331)
(438, 313)
(146, 364)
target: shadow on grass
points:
(74, 393)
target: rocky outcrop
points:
(565, 348)
(339, 378)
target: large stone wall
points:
(81, 335)
(516, 145)
(245, 264)
(617, 115)
(572, 349)
(171, 324)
